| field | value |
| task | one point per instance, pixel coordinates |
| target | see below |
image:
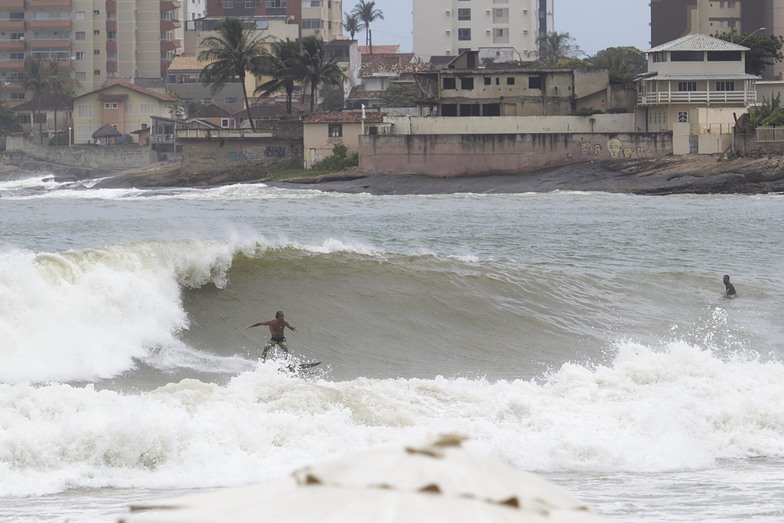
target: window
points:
(464, 14)
(275, 4)
(683, 117)
(687, 56)
(467, 84)
(687, 86)
(335, 130)
(464, 33)
(17, 57)
(449, 83)
(80, 35)
(534, 82)
(500, 35)
(97, 32)
(146, 108)
(96, 52)
(24, 118)
(250, 4)
(725, 86)
(312, 3)
(96, 72)
(228, 4)
(510, 80)
(81, 76)
(225, 123)
(487, 80)
(39, 117)
(231, 100)
(111, 35)
(84, 111)
(311, 24)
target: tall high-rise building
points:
(448, 27)
(96, 39)
(314, 17)
(672, 19)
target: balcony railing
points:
(697, 97)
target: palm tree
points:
(367, 13)
(35, 78)
(60, 84)
(352, 24)
(280, 65)
(554, 47)
(313, 68)
(231, 54)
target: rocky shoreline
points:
(669, 175)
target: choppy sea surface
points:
(581, 336)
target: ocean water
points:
(581, 336)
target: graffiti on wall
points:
(615, 148)
(256, 154)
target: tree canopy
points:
(623, 63)
(555, 47)
(764, 49)
(367, 13)
(231, 54)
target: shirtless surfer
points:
(277, 337)
(728, 286)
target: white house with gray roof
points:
(695, 87)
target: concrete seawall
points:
(483, 154)
(101, 158)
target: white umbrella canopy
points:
(437, 483)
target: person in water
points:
(728, 286)
(277, 337)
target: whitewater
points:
(581, 336)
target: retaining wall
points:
(482, 154)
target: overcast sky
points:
(594, 24)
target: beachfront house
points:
(123, 105)
(322, 131)
(469, 86)
(695, 87)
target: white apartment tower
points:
(449, 27)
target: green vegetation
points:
(764, 49)
(769, 113)
(339, 161)
(231, 54)
(555, 47)
(623, 63)
(352, 24)
(367, 13)
(399, 95)
(303, 61)
(9, 123)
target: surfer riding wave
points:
(277, 329)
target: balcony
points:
(11, 65)
(12, 26)
(170, 5)
(170, 25)
(12, 4)
(169, 45)
(111, 6)
(32, 4)
(50, 23)
(15, 46)
(697, 97)
(49, 44)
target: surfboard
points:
(308, 365)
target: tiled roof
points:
(357, 93)
(344, 117)
(186, 63)
(143, 90)
(380, 69)
(213, 110)
(379, 49)
(697, 42)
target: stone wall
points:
(219, 155)
(101, 158)
(472, 154)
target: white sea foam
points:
(680, 408)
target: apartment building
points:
(97, 39)
(313, 17)
(449, 27)
(672, 19)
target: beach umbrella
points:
(440, 482)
